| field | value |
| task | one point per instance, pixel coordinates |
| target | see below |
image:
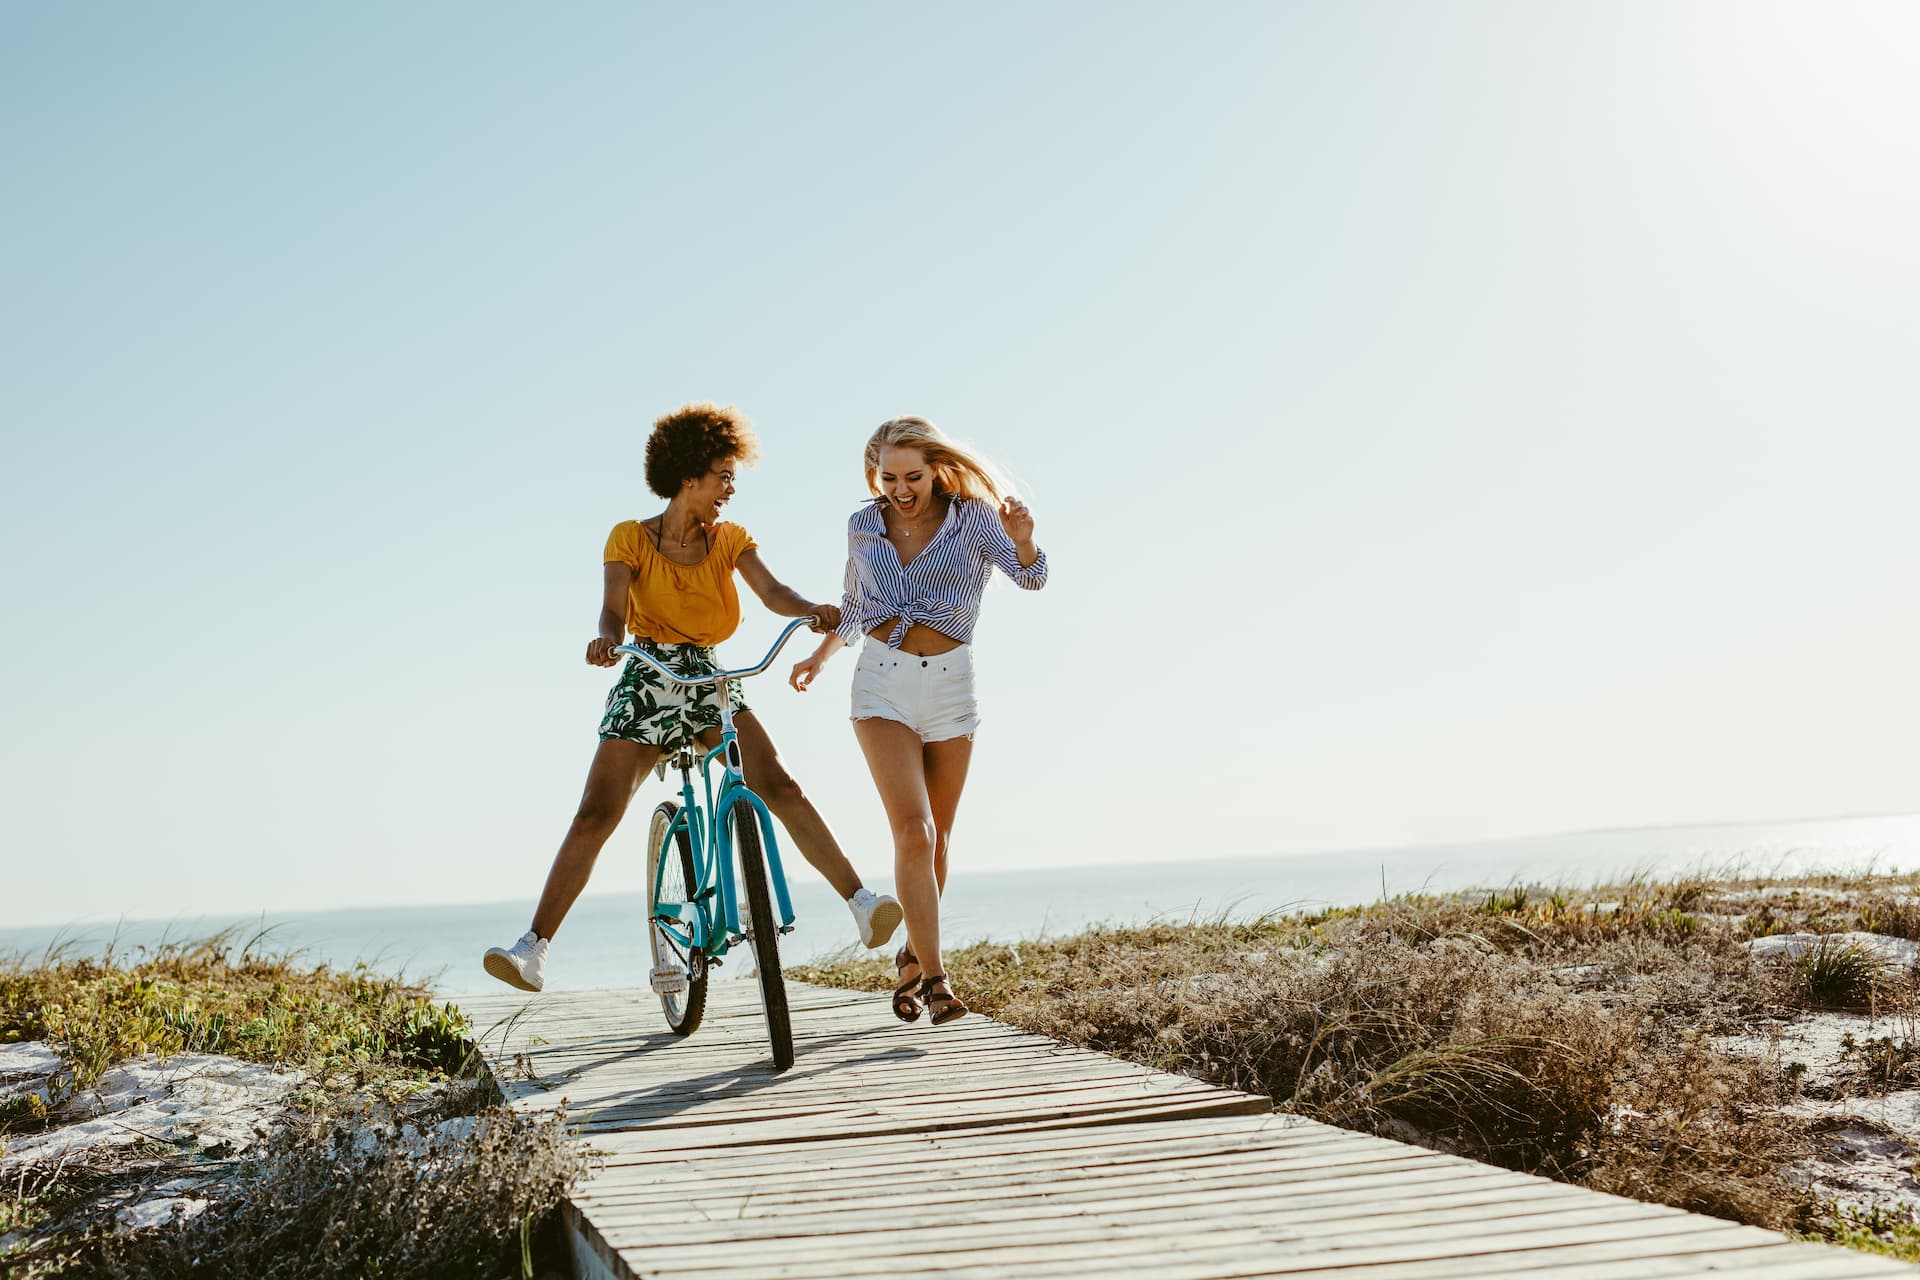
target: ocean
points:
(603, 942)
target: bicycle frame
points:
(710, 922)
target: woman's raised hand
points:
(1016, 520)
(599, 652)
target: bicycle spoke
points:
(670, 948)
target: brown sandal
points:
(953, 1008)
(905, 1007)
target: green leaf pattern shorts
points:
(645, 707)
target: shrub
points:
(1896, 917)
(1840, 975)
(211, 996)
(461, 1199)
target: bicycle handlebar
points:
(712, 676)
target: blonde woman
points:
(918, 559)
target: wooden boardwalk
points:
(975, 1150)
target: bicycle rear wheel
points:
(683, 1008)
(763, 930)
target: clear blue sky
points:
(1445, 420)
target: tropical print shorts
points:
(645, 707)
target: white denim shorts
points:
(931, 696)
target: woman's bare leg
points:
(894, 756)
(945, 764)
(768, 776)
(614, 776)
(946, 768)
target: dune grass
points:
(393, 1157)
(1565, 1033)
(218, 994)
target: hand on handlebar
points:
(826, 618)
(599, 652)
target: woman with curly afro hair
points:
(669, 584)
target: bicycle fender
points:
(769, 846)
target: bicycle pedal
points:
(668, 980)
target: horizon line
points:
(262, 913)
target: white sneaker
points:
(875, 915)
(522, 965)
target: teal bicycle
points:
(693, 899)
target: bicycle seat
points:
(679, 760)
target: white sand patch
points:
(1864, 1169)
(1581, 975)
(1817, 1042)
(29, 1067)
(411, 1138)
(202, 1101)
(158, 1213)
(1868, 1163)
(1867, 1157)
(1897, 1112)
(1899, 952)
(28, 1058)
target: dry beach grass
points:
(1586, 1036)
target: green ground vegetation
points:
(1573, 1034)
(393, 1157)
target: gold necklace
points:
(907, 530)
(684, 541)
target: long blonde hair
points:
(957, 469)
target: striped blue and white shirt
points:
(941, 586)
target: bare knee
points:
(777, 788)
(913, 838)
(598, 815)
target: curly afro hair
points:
(687, 442)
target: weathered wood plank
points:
(1097, 1249)
(1241, 1192)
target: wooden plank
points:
(855, 1231)
(1010, 1218)
(1383, 1172)
(698, 1137)
(1199, 1261)
(956, 1175)
(1250, 1251)
(1773, 1261)
(634, 1150)
(1228, 1132)
(1390, 1197)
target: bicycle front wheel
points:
(763, 930)
(671, 953)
